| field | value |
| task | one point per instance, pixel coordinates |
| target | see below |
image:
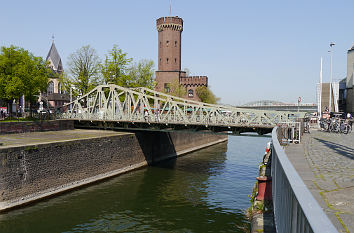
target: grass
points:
(341, 222)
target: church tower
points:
(169, 52)
(54, 96)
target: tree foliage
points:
(68, 85)
(178, 90)
(119, 69)
(115, 67)
(206, 95)
(84, 67)
(141, 74)
(21, 73)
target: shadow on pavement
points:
(340, 149)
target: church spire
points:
(54, 58)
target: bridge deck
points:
(325, 162)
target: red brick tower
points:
(169, 58)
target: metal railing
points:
(290, 132)
(119, 104)
(295, 209)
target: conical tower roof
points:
(54, 59)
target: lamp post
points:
(71, 95)
(298, 103)
(330, 84)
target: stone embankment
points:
(40, 164)
(261, 210)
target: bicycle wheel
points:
(346, 129)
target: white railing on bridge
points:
(295, 209)
(115, 103)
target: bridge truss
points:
(141, 108)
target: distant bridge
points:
(112, 106)
(279, 106)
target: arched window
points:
(59, 88)
(190, 93)
(50, 89)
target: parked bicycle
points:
(345, 127)
(336, 125)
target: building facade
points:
(54, 97)
(324, 91)
(350, 81)
(169, 71)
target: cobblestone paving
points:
(330, 157)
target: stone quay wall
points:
(32, 172)
(35, 126)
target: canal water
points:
(204, 191)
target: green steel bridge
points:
(112, 106)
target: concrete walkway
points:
(35, 138)
(325, 161)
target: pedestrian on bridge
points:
(146, 116)
(157, 116)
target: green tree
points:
(115, 67)
(178, 90)
(21, 73)
(84, 67)
(206, 95)
(68, 85)
(36, 80)
(141, 74)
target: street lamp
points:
(71, 95)
(330, 84)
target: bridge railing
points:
(115, 103)
(295, 209)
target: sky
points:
(250, 50)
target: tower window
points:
(167, 42)
(167, 87)
(175, 43)
(160, 44)
(175, 60)
(190, 93)
(160, 60)
(167, 60)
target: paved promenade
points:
(325, 161)
(35, 138)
